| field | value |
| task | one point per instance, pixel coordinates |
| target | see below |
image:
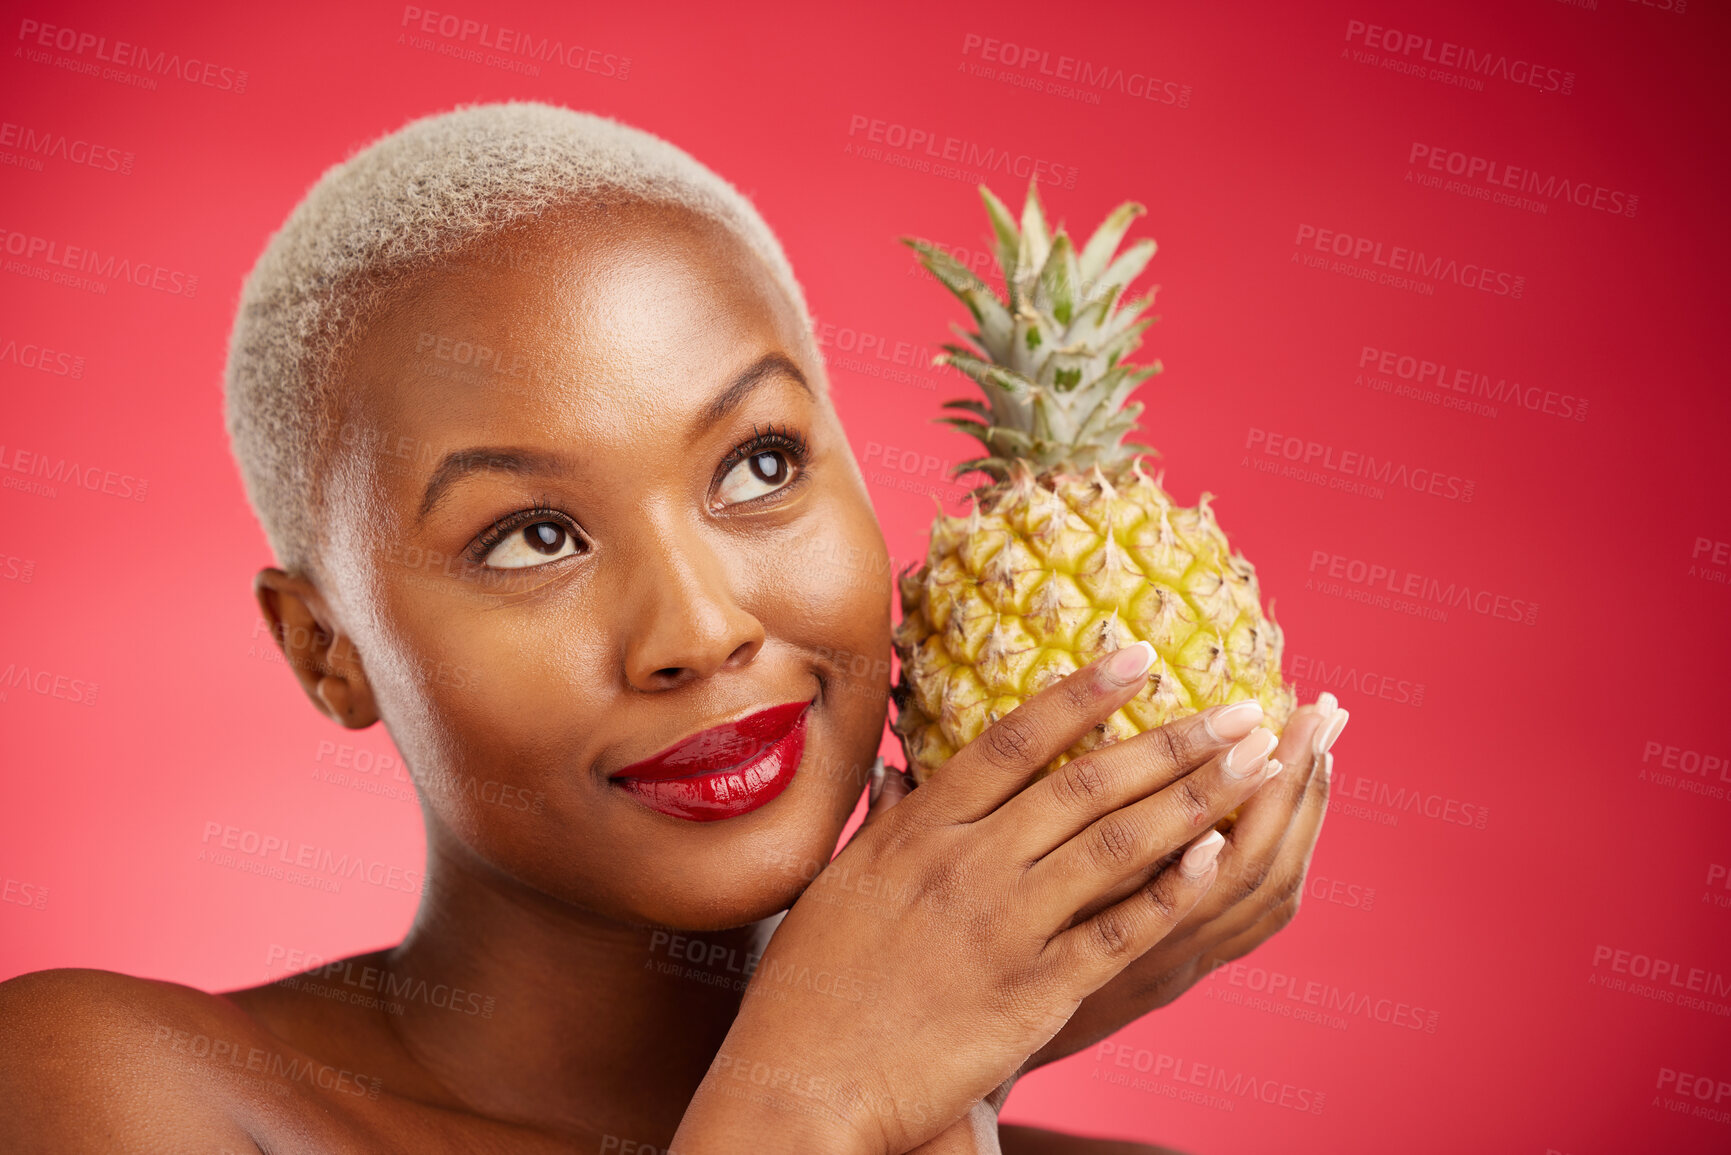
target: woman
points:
(529, 406)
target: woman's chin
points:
(699, 906)
(763, 871)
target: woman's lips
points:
(724, 771)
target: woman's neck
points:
(566, 1020)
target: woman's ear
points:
(322, 657)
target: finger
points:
(1301, 839)
(1058, 806)
(1270, 924)
(1251, 842)
(1016, 747)
(1254, 842)
(1293, 860)
(1254, 919)
(1280, 906)
(890, 789)
(1129, 840)
(887, 786)
(1097, 949)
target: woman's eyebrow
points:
(753, 375)
(463, 462)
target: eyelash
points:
(789, 441)
(512, 522)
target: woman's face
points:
(585, 503)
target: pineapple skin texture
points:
(1047, 573)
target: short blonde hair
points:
(429, 191)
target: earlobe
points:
(339, 702)
(323, 658)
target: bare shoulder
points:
(92, 1060)
(1018, 1140)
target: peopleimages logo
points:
(47, 683)
(1398, 259)
(1393, 801)
(69, 260)
(1303, 670)
(512, 48)
(874, 354)
(1708, 1091)
(927, 150)
(1717, 555)
(36, 145)
(1454, 387)
(1205, 1077)
(61, 471)
(1660, 979)
(1338, 468)
(1325, 996)
(1495, 177)
(254, 852)
(1083, 80)
(37, 36)
(40, 357)
(1390, 587)
(1457, 62)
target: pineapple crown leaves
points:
(1048, 354)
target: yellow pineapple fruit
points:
(1070, 551)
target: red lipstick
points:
(724, 771)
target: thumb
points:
(888, 787)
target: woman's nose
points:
(684, 623)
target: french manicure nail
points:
(1201, 856)
(1229, 723)
(1130, 664)
(1275, 766)
(1248, 754)
(1331, 730)
(1327, 703)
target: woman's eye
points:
(535, 544)
(755, 476)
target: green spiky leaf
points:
(1056, 289)
(980, 432)
(1106, 239)
(1127, 266)
(988, 311)
(1036, 240)
(1049, 356)
(1009, 239)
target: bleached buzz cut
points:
(430, 191)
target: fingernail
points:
(1130, 664)
(877, 783)
(1327, 768)
(1247, 756)
(1229, 723)
(1327, 703)
(1275, 766)
(1201, 856)
(1331, 730)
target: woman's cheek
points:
(476, 709)
(849, 589)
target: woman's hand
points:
(1257, 891)
(1255, 894)
(957, 932)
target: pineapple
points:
(1070, 551)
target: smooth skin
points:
(639, 521)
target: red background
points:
(1555, 733)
